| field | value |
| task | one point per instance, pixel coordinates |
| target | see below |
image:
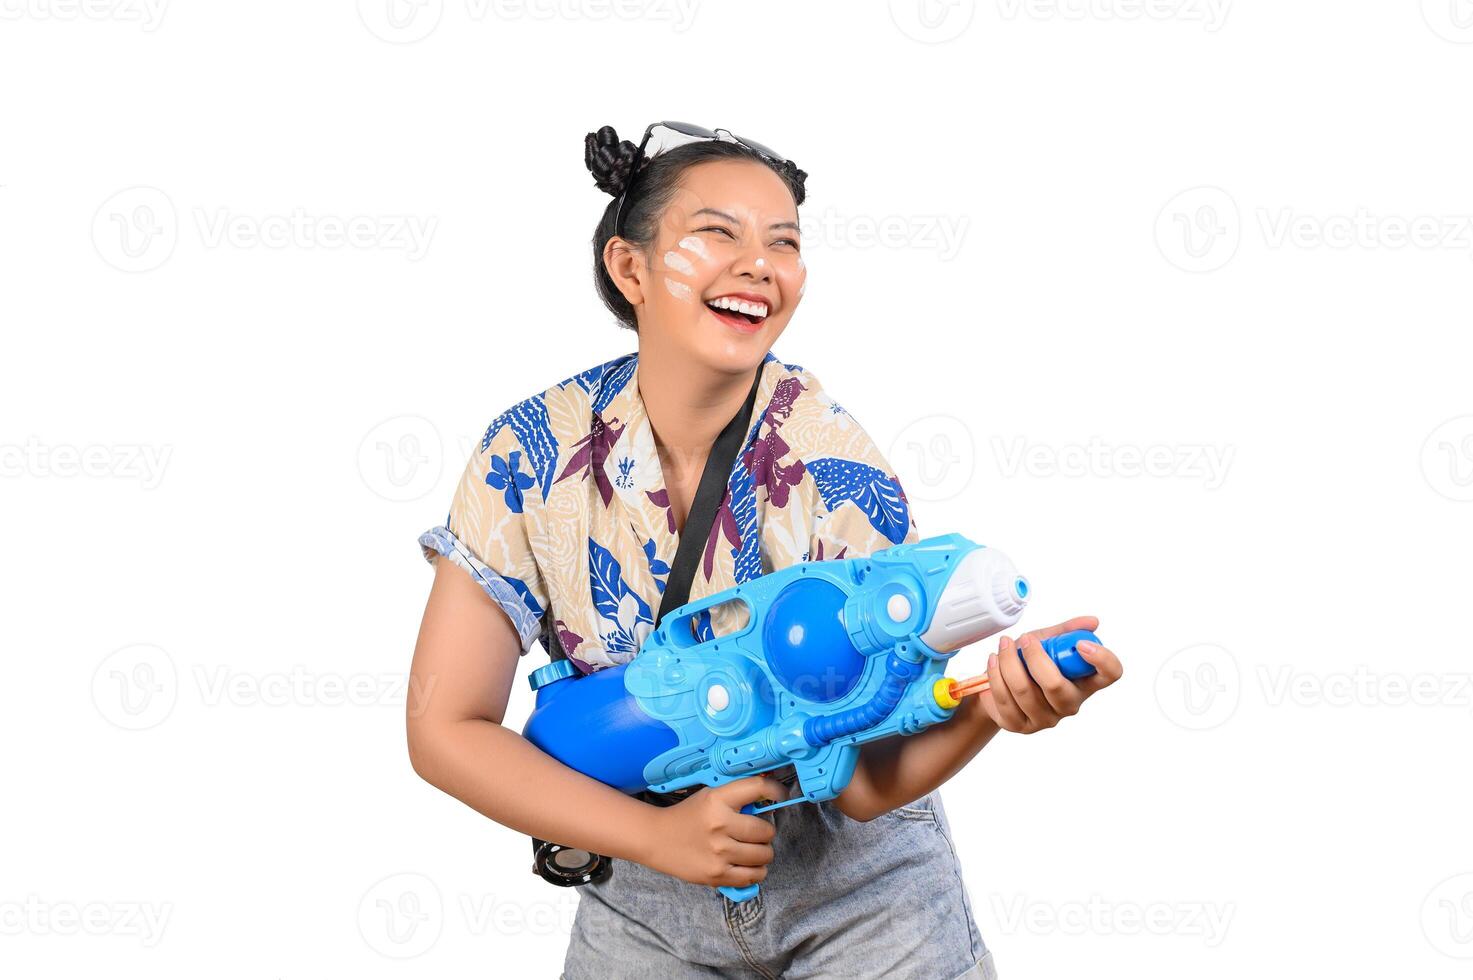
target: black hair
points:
(611, 161)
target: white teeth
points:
(727, 303)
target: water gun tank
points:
(985, 595)
(593, 725)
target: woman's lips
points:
(736, 321)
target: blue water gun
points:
(833, 654)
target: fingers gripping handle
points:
(747, 891)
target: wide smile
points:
(745, 314)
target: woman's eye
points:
(787, 240)
(724, 231)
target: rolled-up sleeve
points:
(488, 532)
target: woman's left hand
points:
(1019, 702)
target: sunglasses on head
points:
(695, 133)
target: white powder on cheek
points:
(679, 263)
(693, 245)
(677, 289)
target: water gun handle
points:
(747, 891)
(1061, 650)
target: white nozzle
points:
(985, 595)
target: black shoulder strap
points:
(712, 488)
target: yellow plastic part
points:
(941, 691)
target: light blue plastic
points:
(548, 673)
(818, 669)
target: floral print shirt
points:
(562, 515)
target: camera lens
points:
(568, 866)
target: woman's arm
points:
(464, 664)
(894, 771)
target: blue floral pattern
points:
(583, 562)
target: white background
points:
(1167, 299)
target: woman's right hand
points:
(707, 840)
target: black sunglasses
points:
(697, 133)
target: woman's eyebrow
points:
(723, 214)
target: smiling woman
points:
(570, 524)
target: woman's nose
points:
(754, 264)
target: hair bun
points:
(796, 179)
(609, 159)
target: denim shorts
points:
(883, 898)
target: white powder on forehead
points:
(679, 263)
(693, 245)
(677, 289)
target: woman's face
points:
(729, 236)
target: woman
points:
(564, 526)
